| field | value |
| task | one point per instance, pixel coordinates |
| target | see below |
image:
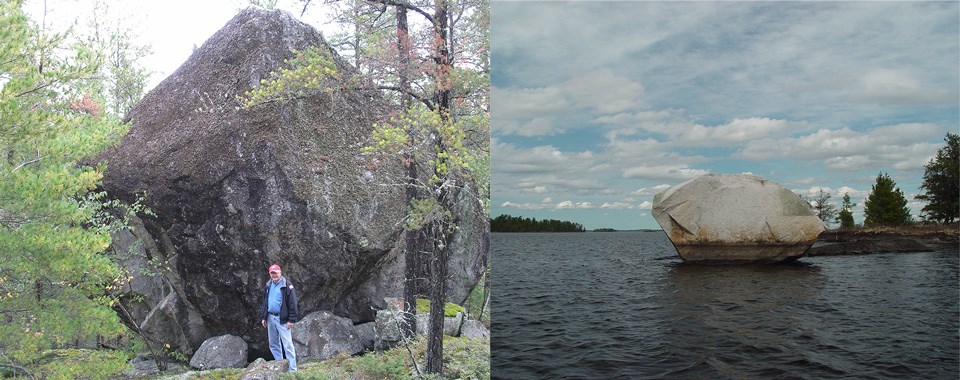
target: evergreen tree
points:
(825, 210)
(54, 274)
(121, 79)
(886, 205)
(509, 223)
(845, 217)
(941, 181)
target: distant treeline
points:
(508, 223)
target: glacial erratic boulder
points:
(742, 218)
(236, 189)
(224, 351)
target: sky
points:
(598, 106)
(172, 28)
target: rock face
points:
(722, 218)
(224, 351)
(237, 189)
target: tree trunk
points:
(413, 244)
(438, 276)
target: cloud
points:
(854, 193)
(735, 132)
(663, 172)
(617, 205)
(574, 205)
(545, 111)
(524, 206)
(897, 87)
(650, 190)
(902, 145)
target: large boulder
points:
(224, 351)
(742, 218)
(322, 335)
(236, 189)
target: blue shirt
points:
(274, 297)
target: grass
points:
(467, 359)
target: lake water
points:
(623, 305)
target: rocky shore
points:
(867, 241)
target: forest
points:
(508, 223)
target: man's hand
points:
(289, 325)
(263, 322)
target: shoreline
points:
(884, 240)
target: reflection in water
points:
(723, 316)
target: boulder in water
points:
(741, 218)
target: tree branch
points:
(416, 96)
(406, 6)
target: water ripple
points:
(622, 305)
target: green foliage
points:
(309, 71)
(123, 78)
(466, 358)
(478, 296)
(53, 273)
(83, 364)
(265, 4)
(941, 183)
(845, 216)
(380, 366)
(463, 359)
(822, 207)
(509, 223)
(450, 310)
(886, 205)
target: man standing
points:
(277, 313)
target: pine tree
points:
(845, 217)
(886, 205)
(54, 275)
(941, 180)
(825, 210)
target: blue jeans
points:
(278, 334)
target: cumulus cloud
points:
(617, 205)
(854, 193)
(650, 190)
(524, 206)
(845, 149)
(571, 204)
(735, 132)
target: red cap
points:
(274, 268)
